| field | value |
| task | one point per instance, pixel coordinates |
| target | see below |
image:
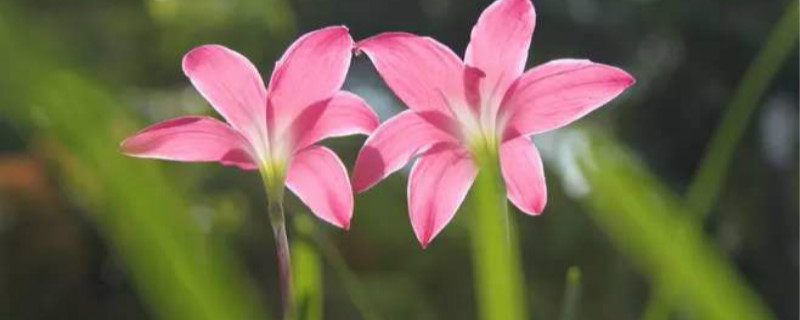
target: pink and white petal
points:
(395, 142)
(230, 83)
(559, 92)
(438, 184)
(311, 70)
(342, 115)
(319, 179)
(423, 73)
(191, 139)
(524, 175)
(499, 45)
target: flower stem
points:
(496, 262)
(276, 218)
(274, 189)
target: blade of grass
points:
(572, 294)
(355, 289)
(706, 185)
(495, 255)
(133, 204)
(306, 262)
(638, 214)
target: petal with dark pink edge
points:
(499, 44)
(524, 175)
(559, 92)
(230, 83)
(423, 73)
(395, 142)
(190, 139)
(319, 179)
(312, 70)
(438, 184)
(342, 115)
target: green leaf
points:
(307, 268)
(176, 269)
(648, 223)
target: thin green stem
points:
(706, 185)
(306, 263)
(496, 262)
(358, 294)
(572, 294)
(284, 257)
(274, 188)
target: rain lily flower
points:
(273, 129)
(486, 103)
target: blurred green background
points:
(679, 200)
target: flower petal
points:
(437, 186)
(499, 45)
(319, 179)
(230, 83)
(191, 139)
(558, 92)
(395, 142)
(344, 114)
(423, 73)
(312, 70)
(524, 175)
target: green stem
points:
(358, 293)
(306, 263)
(274, 189)
(496, 262)
(705, 187)
(572, 294)
(284, 258)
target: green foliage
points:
(643, 219)
(138, 210)
(307, 268)
(711, 174)
(707, 184)
(182, 273)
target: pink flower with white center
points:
(273, 129)
(486, 102)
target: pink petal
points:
(423, 73)
(344, 114)
(558, 92)
(499, 44)
(524, 174)
(319, 179)
(395, 142)
(191, 139)
(230, 83)
(312, 70)
(437, 186)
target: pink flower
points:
(485, 101)
(273, 128)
